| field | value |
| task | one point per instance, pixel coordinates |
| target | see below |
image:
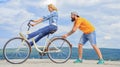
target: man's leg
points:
(92, 39)
(80, 51)
(97, 50)
(82, 41)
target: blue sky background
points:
(103, 14)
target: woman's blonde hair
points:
(52, 6)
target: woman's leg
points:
(38, 32)
(38, 38)
(45, 31)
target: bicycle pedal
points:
(42, 54)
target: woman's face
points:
(50, 9)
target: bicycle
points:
(17, 50)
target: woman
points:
(52, 27)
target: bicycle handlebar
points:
(29, 25)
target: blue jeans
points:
(42, 32)
(88, 37)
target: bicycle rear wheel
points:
(59, 50)
(16, 50)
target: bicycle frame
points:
(43, 47)
(37, 47)
(58, 49)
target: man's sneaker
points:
(78, 61)
(101, 61)
(21, 35)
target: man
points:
(88, 35)
(52, 27)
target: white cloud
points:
(15, 12)
(14, 18)
(112, 6)
(107, 37)
(79, 3)
(46, 2)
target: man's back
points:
(84, 25)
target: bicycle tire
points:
(8, 48)
(61, 59)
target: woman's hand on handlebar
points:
(32, 23)
(35, 22)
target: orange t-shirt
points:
(84, 25)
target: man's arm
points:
(71, 32)
(75, 27)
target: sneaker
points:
(101, 61)
(78, 61)
(21, 35)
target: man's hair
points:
(52, 6)
(75, 13)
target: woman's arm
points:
(44, 18)
(37, 21)
(53, 14)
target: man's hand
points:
(68, 34)
(65, 36)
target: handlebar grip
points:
(29, 24)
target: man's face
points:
(72, 17)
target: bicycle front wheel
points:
(59, 50)
(16, 50)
